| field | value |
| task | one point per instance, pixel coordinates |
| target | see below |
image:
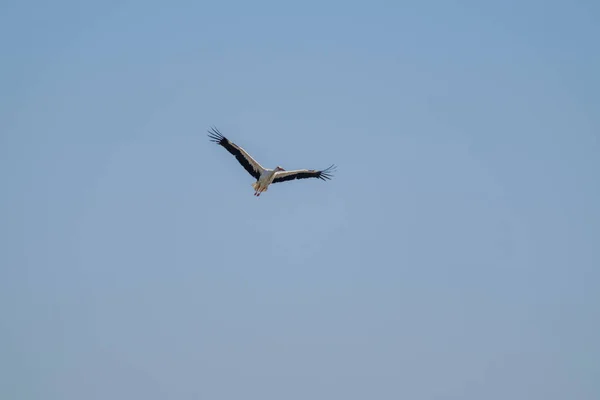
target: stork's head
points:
(279, 169)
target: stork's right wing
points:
(249, 163)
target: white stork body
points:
(265, 176)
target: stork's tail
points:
(255, 185)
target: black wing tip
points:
(327, 173)
(215, 135)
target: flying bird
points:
(265, 176)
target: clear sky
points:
(455, 255)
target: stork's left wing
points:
(282, 176)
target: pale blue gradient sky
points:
(455, 255)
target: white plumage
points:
(265, 176)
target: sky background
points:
(455, 255)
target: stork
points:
(265, 176)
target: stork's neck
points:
(268, 172)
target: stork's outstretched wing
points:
(282, 176)
(249, 163)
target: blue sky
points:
(454, 255)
